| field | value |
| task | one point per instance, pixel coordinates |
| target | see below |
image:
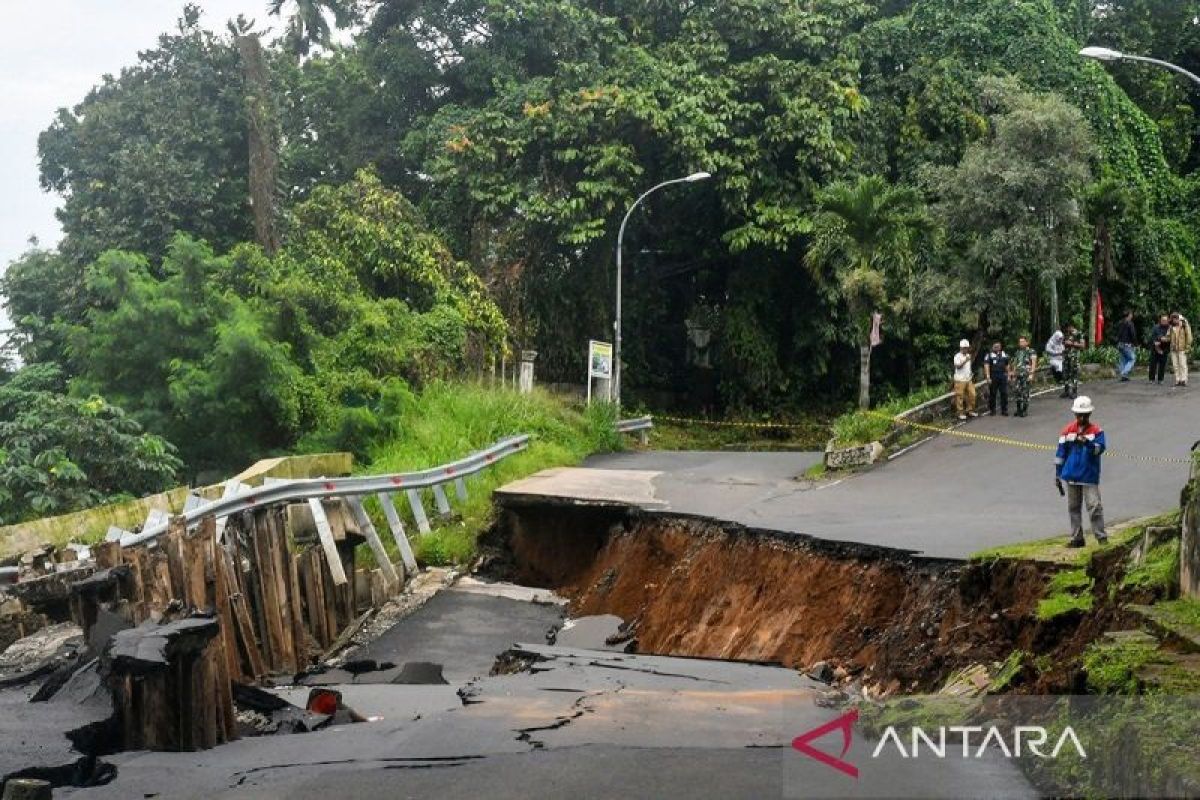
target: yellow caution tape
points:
(727, 424)
(980, 437)
(1004, 440)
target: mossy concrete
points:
(91, 524)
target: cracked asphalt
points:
(573, 722)
(950, 497)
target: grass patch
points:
(1112, 667)
(1008, 670)
(1159, 570)
(1055, 550)
(450, 420)
(816, 472)
(1069, 590)
(862, 427)
(1185, 611)
(809, 433)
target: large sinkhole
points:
(690, 586)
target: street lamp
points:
(616, 379)
(1107, 54)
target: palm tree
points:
(307, 25)
(1108, 203)
(863, 245)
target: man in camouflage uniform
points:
(1074, 344)
(1024, 365)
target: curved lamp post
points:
(1106, 54)
(616, 379)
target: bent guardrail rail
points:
(319, 488)
(639, 425)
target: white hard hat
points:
(1082, 405)
(964, 343)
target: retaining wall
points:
(91, 524)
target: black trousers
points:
(998, 388)
(1158, 365)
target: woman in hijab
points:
(1054, 355)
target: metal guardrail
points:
(635, 425)
(318, 488)
(639, 425)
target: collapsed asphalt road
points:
(559, 721)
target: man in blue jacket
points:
(1077, 463)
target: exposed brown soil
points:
(695, 587)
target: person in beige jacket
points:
(1181, 347)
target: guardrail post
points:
(439, 497)
(460, 486)
(325, 534)
(418, 510)
(397, 528)
(372, 537)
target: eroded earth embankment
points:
(696, 587)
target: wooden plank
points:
(108, 554)
(418, 510)
(281, 571)
(172, 545)
(299, 634)
(439, 498)
(328, 545)
(398, 533)
(224, 600)
(372, 536)
(314, 608)
(264, 577)
(245, 630)
(329, 593)
(196, 589)
(379, 588)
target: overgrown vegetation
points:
(862, 426)
(447, 421)
(1069, 590)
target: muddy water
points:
(694, 587)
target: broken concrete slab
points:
(39, 653)
(597, 632)
(582, 486)
(152, 647)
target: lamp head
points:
(1101, 53)
(697, 176)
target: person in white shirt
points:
(964, 381)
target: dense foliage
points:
(449, 187)
(61, 453)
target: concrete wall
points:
(91, 524)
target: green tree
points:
(307, 25)
(863, 248)
(157, 149)
(1108, 201)
(60, 453)
(189, 359)
(1013, 207)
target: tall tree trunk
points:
(1098, 251)
(864, 374)
(264, 158)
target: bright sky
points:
(51, 53)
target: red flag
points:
(1099, 320)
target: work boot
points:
(1076, 543)
(1065, 393)
(1101, 540)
